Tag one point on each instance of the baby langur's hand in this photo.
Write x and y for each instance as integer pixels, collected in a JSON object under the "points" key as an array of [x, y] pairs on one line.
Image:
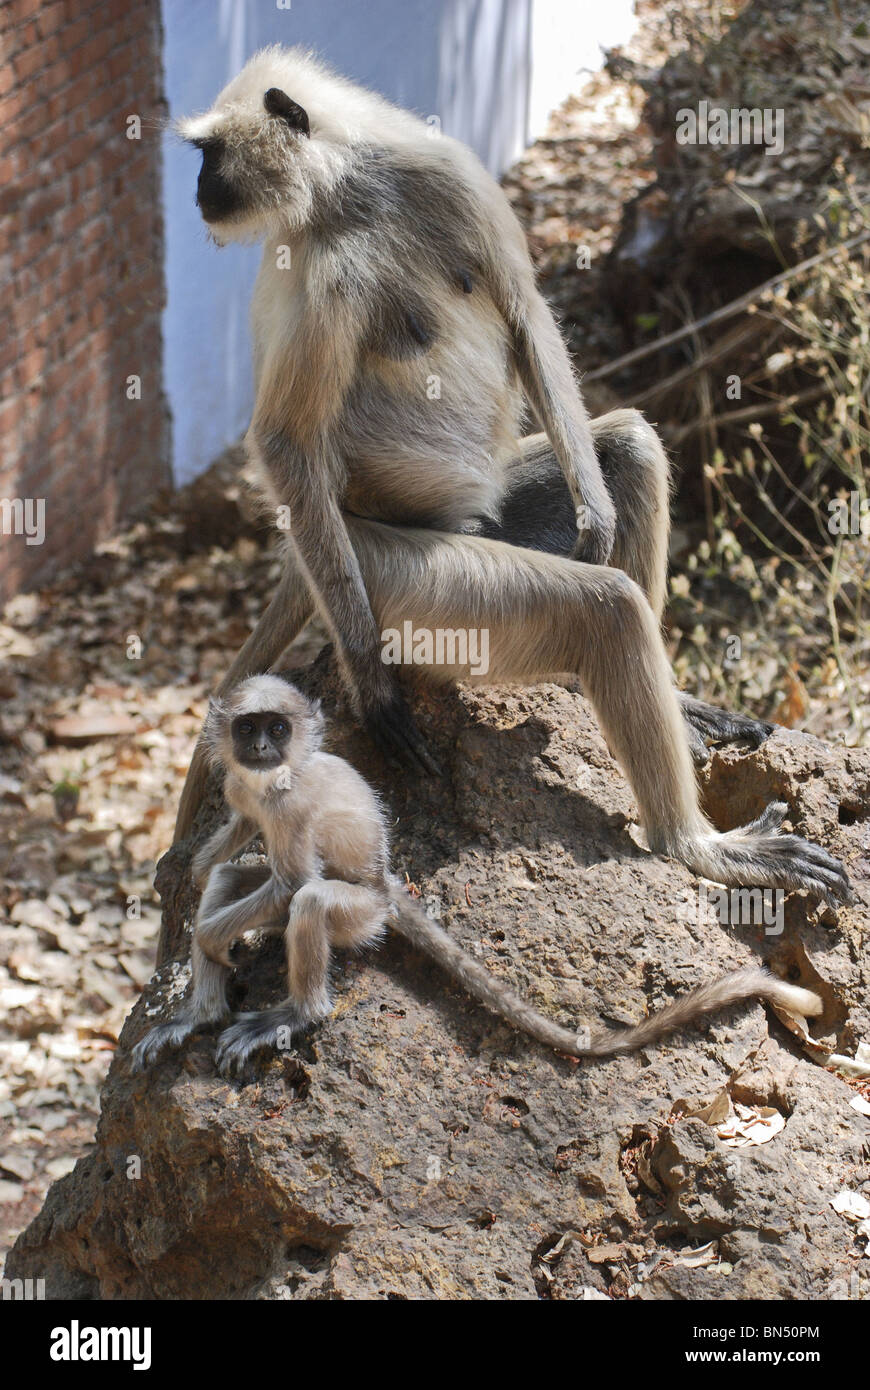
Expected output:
{"points": [[596, 532]]}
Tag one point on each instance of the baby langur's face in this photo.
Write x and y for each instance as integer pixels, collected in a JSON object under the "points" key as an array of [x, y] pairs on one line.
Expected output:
{"points": [[260, 740]]}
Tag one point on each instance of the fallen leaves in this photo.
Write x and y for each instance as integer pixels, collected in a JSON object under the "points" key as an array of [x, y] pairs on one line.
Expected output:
{"points": [[96, 745], [737, 1126], [855, 1207], [750, 1125], [77, 729]]}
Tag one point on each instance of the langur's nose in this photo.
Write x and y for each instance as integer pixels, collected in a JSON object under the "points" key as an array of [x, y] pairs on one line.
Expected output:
{"points": [[214, 195]]}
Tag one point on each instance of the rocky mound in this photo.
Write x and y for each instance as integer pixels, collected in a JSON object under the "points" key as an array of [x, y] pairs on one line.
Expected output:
{"points": [[415, 1147]]}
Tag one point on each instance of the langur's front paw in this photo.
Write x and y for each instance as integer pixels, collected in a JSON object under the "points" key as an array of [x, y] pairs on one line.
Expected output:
{"points": [[271, 1030], [392, 729], [163, 1036]]}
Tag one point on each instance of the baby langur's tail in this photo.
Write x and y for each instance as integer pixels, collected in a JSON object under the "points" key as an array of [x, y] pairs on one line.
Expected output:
{"points": [[751, 983]]}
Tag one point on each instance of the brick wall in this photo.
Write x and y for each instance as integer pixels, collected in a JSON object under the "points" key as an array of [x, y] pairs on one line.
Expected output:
{"points": [[81, 259]]}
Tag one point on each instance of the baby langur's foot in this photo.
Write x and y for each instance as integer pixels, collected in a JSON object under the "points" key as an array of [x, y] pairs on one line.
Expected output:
{"points": [[165, 1035], [757, 855], [270, 1029], [707, 724]]}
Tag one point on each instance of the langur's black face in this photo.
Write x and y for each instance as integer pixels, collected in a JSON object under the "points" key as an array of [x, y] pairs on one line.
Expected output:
{"points": [[216, 197], [260, 740], [246, 169]]}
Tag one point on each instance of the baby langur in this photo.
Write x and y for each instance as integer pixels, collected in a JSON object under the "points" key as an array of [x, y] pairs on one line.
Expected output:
{"points": [[328, 884]]}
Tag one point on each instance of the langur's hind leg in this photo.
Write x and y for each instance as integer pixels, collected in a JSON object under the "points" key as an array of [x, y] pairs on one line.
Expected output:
{"points": [[538, 513], [638, 477], [206, 1006], [637, 473], [543, 616], [324, 912], [227, 883]]}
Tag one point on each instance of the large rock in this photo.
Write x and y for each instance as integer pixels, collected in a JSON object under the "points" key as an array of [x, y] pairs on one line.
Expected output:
{"points": [[416, 1147]]}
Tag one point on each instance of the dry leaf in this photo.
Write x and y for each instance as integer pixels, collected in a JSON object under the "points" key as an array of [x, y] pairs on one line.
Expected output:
{"points": [[854, 1205], [750, 1125]]}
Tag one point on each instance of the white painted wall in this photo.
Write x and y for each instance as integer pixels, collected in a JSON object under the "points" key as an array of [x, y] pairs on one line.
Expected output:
{"points": [[490, 69], [568, 37]]}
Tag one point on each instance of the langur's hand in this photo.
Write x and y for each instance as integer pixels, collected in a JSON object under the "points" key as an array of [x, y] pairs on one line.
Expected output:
{"points": [[391, 727], [596, 532]]}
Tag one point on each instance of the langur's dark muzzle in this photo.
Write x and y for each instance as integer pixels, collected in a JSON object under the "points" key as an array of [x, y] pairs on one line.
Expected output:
{"points": [[215, 196]]}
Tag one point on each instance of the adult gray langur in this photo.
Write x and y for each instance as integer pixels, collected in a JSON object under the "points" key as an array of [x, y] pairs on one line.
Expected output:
{"points": [[398, 334], [328, 884]]}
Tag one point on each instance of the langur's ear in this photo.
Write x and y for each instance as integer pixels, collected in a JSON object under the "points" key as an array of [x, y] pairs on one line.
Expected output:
{"points": [[277, 103]]}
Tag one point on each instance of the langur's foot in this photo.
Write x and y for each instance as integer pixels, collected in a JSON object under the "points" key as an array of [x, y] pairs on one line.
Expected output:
{"points": [[392, 729], [163, 1036], [707, 724], [267, 1030], [758, 856]]}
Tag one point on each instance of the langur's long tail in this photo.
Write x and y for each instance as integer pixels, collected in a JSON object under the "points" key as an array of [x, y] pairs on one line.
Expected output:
{"points": [[751, 983]]}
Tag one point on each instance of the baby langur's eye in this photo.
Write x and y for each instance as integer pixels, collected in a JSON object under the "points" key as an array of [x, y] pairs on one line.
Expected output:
{"points": [[246, 728], [278, 729]]}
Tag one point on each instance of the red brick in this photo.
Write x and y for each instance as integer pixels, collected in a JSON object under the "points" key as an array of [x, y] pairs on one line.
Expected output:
{"points": [[18, 12], [50, 18], [75, 34], [30, 365], [11, 107], [34, 61], [85, 308], [95, 49]]}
